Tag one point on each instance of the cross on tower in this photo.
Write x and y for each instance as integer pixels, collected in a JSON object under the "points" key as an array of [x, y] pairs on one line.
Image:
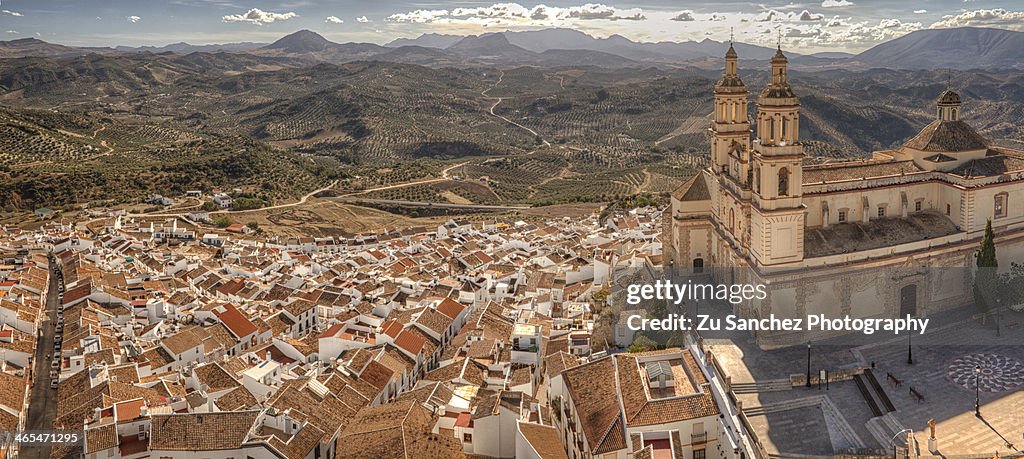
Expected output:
{"points": [[732, 35]]}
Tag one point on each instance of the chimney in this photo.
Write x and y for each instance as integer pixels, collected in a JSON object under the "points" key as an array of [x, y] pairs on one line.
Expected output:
{"points": [[96, 414], [268, 355]]}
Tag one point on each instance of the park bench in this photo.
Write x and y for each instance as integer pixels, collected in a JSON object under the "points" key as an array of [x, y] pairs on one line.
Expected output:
{"points": [[893, 379], [917, 395]]}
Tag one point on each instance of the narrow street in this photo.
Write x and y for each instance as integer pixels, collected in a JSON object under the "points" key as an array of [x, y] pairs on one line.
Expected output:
{"points": [[43, 405]]}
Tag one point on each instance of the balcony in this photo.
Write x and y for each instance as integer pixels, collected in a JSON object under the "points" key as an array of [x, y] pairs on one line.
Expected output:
{"points": [[698, 438]]}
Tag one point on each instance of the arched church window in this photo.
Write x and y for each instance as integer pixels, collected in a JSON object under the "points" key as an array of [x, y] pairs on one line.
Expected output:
{"points": [[1000, 205], [953, 115], [732, 219], [757, 179], [784, 182]]}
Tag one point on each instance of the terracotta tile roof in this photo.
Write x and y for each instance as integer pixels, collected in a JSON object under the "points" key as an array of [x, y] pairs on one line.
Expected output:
{"points": [[377, 374], [201, 432], [410, 342], [695, 189], [184, 340], [215, 377], [544, 440], [100, 438], [398, 429], [434, 321], [556, 363], [238, 399], [235, 321], [856, 170], [328, 413], [129, 411], [12, 391], [592, 388], [948, 136]]}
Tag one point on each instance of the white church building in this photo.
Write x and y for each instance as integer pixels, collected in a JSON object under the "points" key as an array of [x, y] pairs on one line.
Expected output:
{"points": [[882, 237]]}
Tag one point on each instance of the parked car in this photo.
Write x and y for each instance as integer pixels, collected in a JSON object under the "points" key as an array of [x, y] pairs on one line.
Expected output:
{"points": [[53, 383], [54, 374]]}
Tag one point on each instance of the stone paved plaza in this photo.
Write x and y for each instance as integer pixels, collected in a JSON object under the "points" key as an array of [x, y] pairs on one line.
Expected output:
{"points": [[943, 372]]}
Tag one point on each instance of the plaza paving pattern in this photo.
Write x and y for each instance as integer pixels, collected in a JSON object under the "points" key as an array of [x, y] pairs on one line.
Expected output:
{"points": [[943, 372], [990, 372]]}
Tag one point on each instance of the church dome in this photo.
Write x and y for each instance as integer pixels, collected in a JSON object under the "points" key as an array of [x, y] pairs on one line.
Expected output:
{"points": [[949, 97], [948, 137]]}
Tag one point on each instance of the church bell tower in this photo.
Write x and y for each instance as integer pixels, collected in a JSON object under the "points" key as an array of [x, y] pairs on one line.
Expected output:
{"points": [[777, 217]]}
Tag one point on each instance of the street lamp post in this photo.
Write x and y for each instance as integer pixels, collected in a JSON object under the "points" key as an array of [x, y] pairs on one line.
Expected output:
{"points": [[808, 364], [910, 350], [977, 391], [892, 442]]}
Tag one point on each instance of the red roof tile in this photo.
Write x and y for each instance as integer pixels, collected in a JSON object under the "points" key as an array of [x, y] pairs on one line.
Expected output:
{"points": [[239, 325]]}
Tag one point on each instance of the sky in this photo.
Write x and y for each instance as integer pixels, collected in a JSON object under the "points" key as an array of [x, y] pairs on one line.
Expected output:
{"points": [[809, 26]]}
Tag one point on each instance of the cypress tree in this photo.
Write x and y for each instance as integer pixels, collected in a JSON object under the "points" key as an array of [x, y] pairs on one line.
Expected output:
{"points": [[985, 279]]}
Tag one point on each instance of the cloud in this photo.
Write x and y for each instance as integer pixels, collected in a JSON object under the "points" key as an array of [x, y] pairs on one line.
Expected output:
{"points": [[133, 19], [362, 19], [864, 33], [419, 16], [258, 17], [778, 16], [516, 14], [13, 31], [13, 13], [684, 16], [334, 20], [808, 16], [836, 3], [599, 11], [920, 11], [994, 17]]}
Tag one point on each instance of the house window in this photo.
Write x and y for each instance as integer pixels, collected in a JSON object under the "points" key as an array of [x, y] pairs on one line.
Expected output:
{"points": [[1000, 205], [698, 265], [842, 216], [467, 438], [784, 182], [948, 208], [698, 454], [881, 212], [917, 206]]}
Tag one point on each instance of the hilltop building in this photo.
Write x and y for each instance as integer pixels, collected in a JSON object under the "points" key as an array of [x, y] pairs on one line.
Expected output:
{"points": [[818, 235]]}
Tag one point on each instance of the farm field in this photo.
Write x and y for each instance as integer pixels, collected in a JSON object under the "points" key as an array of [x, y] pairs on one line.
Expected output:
{"points": [[121, 127]]}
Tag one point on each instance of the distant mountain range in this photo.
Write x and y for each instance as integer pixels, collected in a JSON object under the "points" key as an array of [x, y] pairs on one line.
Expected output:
{"points": [[961, 48]]}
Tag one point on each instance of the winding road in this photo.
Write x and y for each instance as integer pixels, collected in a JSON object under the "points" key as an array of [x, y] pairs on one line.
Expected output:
{"points": [[498, 102]]}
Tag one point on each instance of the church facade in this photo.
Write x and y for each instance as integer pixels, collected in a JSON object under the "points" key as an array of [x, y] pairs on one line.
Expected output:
{"points": [[881, 237]]}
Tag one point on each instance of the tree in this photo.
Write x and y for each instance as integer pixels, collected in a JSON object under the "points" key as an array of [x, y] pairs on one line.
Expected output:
{"points": [[986, 279], [254, 226], [210, 206], [221, 221], [642, 343]]}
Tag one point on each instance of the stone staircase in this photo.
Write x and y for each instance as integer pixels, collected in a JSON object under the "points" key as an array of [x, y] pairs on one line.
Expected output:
{"points": [[769, 385], [778, 407], [883, 428]]}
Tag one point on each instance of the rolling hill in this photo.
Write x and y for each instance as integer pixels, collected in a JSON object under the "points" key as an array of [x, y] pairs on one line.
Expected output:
{"points": [[961, 48]]}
